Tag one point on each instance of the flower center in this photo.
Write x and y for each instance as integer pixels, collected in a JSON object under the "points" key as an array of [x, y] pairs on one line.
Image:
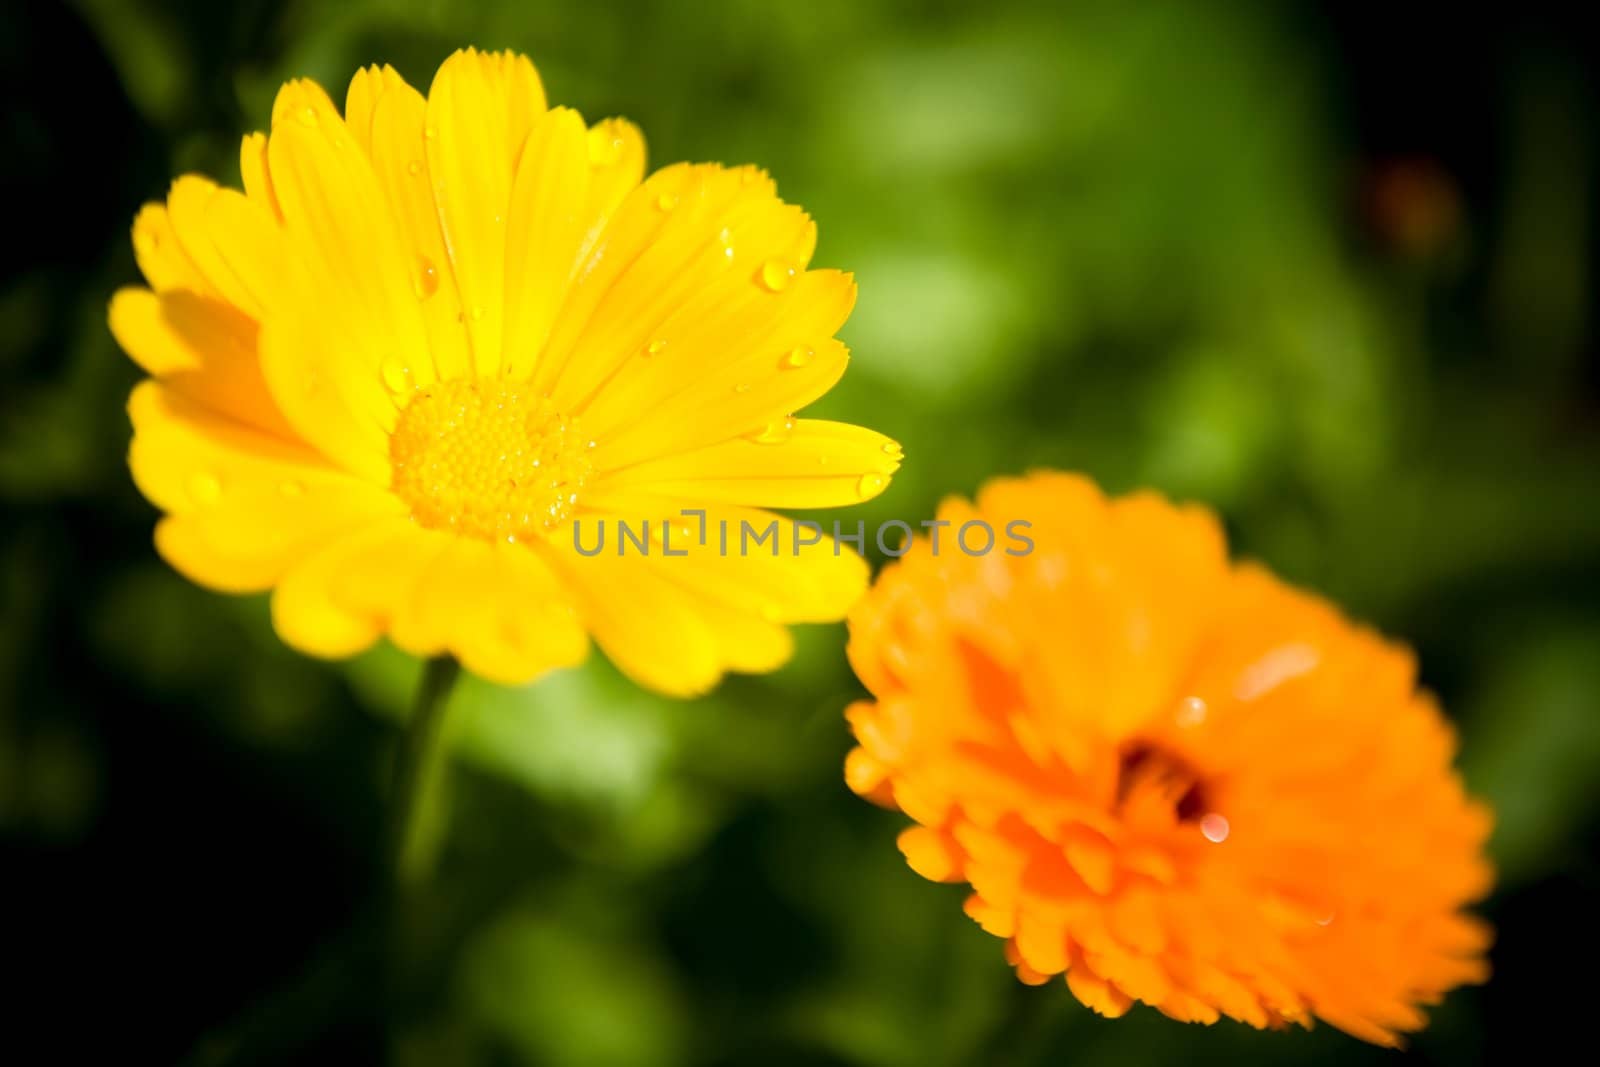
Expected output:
{"points": [[1147, 774], [488, 459]]}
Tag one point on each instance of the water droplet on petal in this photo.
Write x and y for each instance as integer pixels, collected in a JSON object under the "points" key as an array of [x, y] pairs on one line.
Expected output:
{"points": [[869, 485], [604, 147], [667, 201], [655, 348], [308, 115], [776, 274], [1191, 711], [892, 448], [477, 313], [742, 387], [429, 132], [414, 167], [775, 432], [1215, 828], [798, 357], [397, 376], [425, 282], [205, 488]]}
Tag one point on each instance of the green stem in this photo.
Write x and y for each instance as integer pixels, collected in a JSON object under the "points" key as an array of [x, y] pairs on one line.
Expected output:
{"points": [[418, 770]]}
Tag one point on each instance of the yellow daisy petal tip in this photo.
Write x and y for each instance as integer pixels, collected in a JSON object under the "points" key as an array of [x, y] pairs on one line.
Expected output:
{"points": [[438, 331], [1167, 775]]}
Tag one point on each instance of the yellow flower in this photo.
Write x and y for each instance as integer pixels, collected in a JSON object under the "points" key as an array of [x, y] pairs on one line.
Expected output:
{"points": [[1171, 778], [434, 334]]}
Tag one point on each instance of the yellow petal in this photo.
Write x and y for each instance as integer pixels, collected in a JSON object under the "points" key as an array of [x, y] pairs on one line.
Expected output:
{"points": [[496, 608], [716, 237], [399, 159], [257, 178], [162, 260], [616, 167], [792, 463], [652, 629], [200, 347], [742, 366], [367, 87], [480, 108], [762, 565], [214, 252], [549, 225], [326, 353], [243, 506]]}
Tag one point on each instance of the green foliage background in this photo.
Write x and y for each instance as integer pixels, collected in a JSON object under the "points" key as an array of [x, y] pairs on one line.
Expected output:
{"points": [[1160, 243]]}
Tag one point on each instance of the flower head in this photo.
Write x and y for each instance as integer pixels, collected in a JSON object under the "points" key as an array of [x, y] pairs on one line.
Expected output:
{"points": [[435, 333], [1174, 779]]}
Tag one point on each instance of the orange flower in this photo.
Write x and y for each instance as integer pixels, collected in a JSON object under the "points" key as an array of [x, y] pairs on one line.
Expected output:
{"points": [[1175, 779]]}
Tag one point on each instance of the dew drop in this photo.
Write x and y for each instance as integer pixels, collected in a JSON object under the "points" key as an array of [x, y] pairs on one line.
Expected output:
{"points": [[426, 280], [1215, 828], [429, 132], [742, 388], [414, 167], [655, 348], [308, 115], [1191, 711], [776, 274], [869, 485], [477, 313], [397, 376], [667, 201], [775, 432], [798, 357], [205, 488], [604, 147], [892, 448]]}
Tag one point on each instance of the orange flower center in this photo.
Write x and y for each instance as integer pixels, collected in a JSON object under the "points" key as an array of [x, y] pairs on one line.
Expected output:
{"points": [[1149, 778], [488, 459]]}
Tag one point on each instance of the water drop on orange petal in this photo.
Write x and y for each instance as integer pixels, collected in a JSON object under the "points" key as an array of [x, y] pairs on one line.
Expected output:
{"points": [[654, 348], [1215, 828]]}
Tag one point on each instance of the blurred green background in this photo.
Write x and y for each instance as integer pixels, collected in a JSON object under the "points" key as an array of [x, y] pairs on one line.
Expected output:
{"points": [[1328, 269]]}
